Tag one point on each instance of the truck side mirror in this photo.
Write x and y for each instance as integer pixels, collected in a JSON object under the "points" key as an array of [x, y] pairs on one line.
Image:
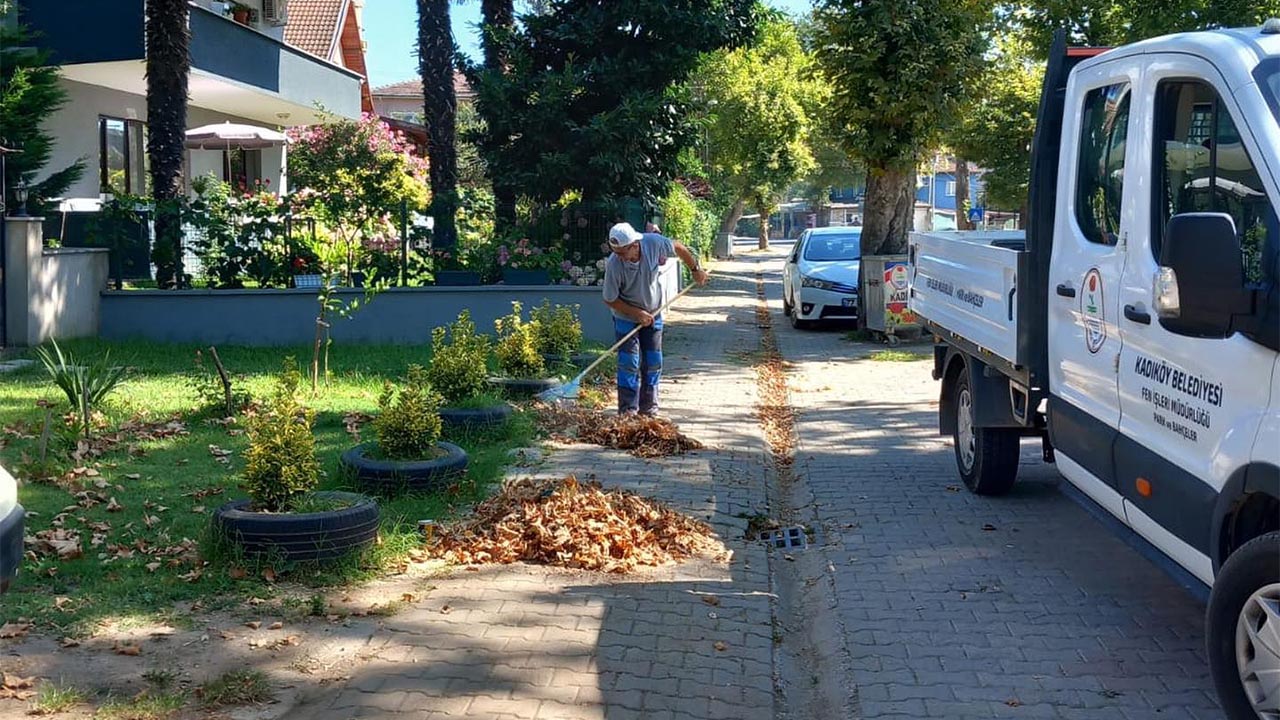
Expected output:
{"points": [[1199, 288]]}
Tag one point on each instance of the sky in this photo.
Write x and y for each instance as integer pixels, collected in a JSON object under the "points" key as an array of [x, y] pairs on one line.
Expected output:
{"points": [[390, 29]]}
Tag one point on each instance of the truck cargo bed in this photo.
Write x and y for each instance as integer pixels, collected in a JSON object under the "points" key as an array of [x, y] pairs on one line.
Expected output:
{"points": [[966, 284]]}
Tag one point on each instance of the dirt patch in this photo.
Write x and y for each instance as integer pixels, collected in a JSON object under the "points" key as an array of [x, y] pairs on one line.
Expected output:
{"points": [[575, 525], [644, 437]]}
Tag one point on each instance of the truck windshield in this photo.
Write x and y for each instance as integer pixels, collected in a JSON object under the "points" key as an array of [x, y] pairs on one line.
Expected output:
{"points": [[1268, 76], [829, 248]]}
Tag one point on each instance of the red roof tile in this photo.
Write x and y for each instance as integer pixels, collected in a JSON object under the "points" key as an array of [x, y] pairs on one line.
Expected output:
{"points": [[413, 88], [313, 25]]}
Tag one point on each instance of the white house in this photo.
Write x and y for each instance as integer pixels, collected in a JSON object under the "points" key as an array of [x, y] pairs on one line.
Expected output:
{"points": [[271, 66]]}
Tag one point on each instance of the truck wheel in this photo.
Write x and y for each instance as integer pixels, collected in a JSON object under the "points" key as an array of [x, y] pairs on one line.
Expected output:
{"points": [[987, 457], [1243, 624]]}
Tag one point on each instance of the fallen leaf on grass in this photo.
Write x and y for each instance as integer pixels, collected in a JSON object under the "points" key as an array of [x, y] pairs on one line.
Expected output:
{"points": [[199, 509], [153, 566], [133, 476], [14, 630], [269, 575], [65, 544], [61, 602], [192, 576], [253, 625], [237, 573], [67, 642], [127, 649], [113, 506], [276, 625]]}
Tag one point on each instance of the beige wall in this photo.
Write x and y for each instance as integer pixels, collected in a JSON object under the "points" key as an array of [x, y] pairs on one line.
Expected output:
{"points": [[386, 105], [50, 293]]}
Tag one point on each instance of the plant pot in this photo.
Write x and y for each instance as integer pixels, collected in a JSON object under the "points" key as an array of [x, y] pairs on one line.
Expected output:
{"points": [[524, 387], [295, 537], [388, 476], [457, 277], [576, 359], [475, 418], [526, 277], [240, 16]]}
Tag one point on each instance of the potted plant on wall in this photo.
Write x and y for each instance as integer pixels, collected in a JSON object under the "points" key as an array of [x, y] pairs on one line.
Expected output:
{"points": [[408, 454], [523, 369], [241, 13], [284, 516], [525, 264], [459, 371], [451, 271]]}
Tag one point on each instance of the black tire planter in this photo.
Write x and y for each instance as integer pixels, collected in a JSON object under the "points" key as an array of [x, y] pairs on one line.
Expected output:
{"points": [[297, 537], [475, 418], [577, 359], [391, 476], [524, 387]]}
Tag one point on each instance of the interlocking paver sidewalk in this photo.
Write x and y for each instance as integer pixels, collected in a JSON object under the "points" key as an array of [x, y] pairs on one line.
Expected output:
{"points": [[523, 641]]}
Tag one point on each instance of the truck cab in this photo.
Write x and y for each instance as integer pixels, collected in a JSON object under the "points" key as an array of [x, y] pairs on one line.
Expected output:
{"points": [[1136, 326]]}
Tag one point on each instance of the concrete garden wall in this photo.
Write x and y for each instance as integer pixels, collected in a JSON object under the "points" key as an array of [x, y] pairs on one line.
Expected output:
{"points": [[49, 293], [287, 317]]}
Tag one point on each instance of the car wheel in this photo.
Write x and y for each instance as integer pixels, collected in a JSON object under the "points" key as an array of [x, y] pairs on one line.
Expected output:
{"points": [[787, 307], [986, 457], [1243, 627], [796, 322]]}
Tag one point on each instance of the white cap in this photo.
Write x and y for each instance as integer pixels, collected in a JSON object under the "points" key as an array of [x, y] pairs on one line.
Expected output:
{"points": [[622, 235]]}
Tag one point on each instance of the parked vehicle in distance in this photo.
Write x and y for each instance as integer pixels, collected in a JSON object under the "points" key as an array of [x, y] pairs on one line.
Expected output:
{"points": [[12, 518], [1135, 328], [820, 276]]}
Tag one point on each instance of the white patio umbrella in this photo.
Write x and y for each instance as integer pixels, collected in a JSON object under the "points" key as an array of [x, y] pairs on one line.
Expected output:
{"points": [[228, 135]]}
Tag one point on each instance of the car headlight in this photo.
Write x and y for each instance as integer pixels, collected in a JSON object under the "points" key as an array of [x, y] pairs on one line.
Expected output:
{"points": [[806, 281]]}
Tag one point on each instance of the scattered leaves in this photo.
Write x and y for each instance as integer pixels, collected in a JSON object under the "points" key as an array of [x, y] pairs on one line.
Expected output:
{"points": [[276, 625], [573, 524], [57, 542], [13, 687], [642, 436], [253, 624], [14, 630], [128, 649], [113, 506]]}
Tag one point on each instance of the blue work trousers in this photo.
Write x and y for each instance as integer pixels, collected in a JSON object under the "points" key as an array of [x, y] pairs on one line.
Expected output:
{"points": [[639, 367]]}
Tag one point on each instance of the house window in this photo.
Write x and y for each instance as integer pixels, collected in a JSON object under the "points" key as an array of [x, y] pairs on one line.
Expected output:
{"points": [[410, 117], [951, 188], [1104, 128], [242, 168], [123, 166]]}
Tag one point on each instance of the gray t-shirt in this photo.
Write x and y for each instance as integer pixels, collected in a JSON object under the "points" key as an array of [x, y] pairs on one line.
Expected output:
{"points": [[638, 283]]}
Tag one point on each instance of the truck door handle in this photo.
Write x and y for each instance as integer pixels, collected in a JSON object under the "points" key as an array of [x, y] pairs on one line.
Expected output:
{"points": [[1136, 315], [1066, 290]]}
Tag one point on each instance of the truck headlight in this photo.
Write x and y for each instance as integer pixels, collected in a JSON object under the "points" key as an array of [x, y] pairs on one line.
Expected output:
{"points": [[806, 281]]}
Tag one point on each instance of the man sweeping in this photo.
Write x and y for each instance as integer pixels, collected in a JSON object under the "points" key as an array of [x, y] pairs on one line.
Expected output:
{"points": [[633, 291]]}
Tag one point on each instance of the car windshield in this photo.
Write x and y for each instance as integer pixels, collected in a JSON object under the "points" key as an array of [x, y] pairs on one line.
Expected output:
{"points": [[827, 248]]}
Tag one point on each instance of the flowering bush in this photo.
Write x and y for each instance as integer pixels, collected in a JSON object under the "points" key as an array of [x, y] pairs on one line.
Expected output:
{"points": [[585, 274], [522, 255], [241, 234]]}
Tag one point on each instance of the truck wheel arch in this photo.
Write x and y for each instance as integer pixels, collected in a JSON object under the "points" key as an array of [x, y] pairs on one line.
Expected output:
{"points": [[1248, 507], [953, 365]]}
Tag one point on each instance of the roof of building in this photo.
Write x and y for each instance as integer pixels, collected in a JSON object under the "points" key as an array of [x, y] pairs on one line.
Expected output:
{"points": [[313, 25], [413, 88]]}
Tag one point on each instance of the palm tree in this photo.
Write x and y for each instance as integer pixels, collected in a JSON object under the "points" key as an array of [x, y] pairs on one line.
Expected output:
{"points": [[435, 64], [168, 68]]}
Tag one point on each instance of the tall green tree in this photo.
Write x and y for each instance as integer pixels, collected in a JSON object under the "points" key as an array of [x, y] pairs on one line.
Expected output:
{"points": [[591, 100], [763, 98], [1117, 22], [899, 70], [168, 68], [496, 35], [29, 94], [436, 54]]}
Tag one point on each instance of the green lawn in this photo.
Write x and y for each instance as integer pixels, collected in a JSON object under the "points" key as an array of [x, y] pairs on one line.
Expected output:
{"points": [[168, 487]]}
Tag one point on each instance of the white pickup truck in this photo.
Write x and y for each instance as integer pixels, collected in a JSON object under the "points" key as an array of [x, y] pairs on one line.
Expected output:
{"points": [[1135, 327]]}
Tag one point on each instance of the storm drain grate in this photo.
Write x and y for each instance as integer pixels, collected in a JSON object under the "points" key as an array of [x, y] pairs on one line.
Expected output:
{"points": [[789, 538]]}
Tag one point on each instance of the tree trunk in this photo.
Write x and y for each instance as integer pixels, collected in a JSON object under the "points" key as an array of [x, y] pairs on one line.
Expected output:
{"points": [[735, 214], [499, 21], [764, 227], [962, 194], [435, 64], [887, 211], [168, 66]]}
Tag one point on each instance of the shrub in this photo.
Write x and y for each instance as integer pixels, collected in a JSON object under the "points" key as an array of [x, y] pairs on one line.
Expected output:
{"points": [[408, 424], [517, 350], [459, 360], [281, 464], [85, 386], [558, 330]]}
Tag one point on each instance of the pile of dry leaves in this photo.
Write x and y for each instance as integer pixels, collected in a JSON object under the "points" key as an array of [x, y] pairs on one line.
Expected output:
{"points": [[576, 525], [640, 435]]}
